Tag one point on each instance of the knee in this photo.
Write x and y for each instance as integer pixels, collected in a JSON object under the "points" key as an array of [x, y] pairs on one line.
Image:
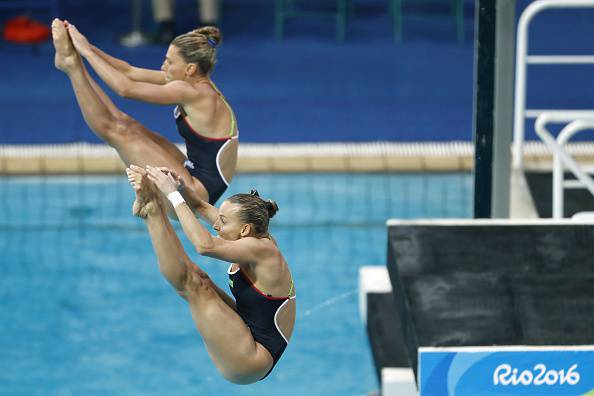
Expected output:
{"points": [[121, 128], [198, 281]]}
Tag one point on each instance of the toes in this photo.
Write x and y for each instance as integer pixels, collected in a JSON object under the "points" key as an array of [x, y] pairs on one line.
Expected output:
{"points": [[133, 174], [130, 175], [137, 169], [56, 24]]}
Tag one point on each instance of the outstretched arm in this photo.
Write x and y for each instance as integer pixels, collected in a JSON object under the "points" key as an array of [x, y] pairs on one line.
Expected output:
{"points": [[174, 92], [132, 72], [244, 251], [205, 210]]}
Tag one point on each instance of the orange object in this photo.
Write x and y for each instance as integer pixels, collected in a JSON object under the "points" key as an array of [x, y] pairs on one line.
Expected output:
{"points": [[23, 30]]}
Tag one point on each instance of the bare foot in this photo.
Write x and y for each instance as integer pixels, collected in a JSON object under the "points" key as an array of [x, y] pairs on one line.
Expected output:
{"points": [[146, 201], [66, 57]]}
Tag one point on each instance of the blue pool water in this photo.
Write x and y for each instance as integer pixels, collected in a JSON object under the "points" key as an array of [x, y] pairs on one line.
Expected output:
{"points": [[84, 310]]}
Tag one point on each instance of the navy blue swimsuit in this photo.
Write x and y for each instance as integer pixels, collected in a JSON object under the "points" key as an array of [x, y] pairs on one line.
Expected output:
{"points": [[258, 310], [203, 155]]}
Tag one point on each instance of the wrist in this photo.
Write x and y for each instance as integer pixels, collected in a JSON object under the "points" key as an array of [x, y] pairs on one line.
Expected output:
{"points": [[175, 198]]}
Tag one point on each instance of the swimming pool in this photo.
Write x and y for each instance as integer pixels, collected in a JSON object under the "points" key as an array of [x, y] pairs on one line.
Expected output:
{"points": [[84, 309]]}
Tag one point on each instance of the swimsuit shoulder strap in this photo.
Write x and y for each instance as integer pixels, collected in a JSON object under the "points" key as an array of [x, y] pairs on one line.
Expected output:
{"points": [[291, 289], [233, 122]]}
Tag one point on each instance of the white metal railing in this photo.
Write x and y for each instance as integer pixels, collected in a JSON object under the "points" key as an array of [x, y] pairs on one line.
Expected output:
{"points": [[561, 158], [523, 59]]}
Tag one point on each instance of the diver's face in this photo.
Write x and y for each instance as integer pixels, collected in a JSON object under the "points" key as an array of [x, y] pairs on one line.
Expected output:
{"points": [[174, 65], [228, 225]]}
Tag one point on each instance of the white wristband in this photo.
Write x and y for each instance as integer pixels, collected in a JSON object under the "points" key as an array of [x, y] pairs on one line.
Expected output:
{"points": [[175, 198]]}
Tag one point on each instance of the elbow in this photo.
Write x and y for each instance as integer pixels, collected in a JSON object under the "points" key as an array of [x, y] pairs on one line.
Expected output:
{"points": [[127, 70], [124, 92], [205, 248], [124, 89], [201, 250]]}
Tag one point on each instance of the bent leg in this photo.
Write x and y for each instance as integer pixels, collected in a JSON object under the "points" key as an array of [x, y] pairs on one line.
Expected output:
{"points": [[99, 112], [230, 344], [228, 340], [133, 142]]}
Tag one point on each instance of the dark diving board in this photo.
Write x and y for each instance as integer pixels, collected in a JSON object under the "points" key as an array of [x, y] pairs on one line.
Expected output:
{"points": [[492, 282]]}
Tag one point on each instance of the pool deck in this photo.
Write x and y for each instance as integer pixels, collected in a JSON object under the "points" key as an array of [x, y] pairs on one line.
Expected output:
{"points": [[300, 157]]}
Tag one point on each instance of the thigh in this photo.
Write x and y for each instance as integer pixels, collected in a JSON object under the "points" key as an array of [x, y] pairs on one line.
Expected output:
{"points": [[139, 146], [161, 151], [168, 146], [162, 141], [228, 339]]}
